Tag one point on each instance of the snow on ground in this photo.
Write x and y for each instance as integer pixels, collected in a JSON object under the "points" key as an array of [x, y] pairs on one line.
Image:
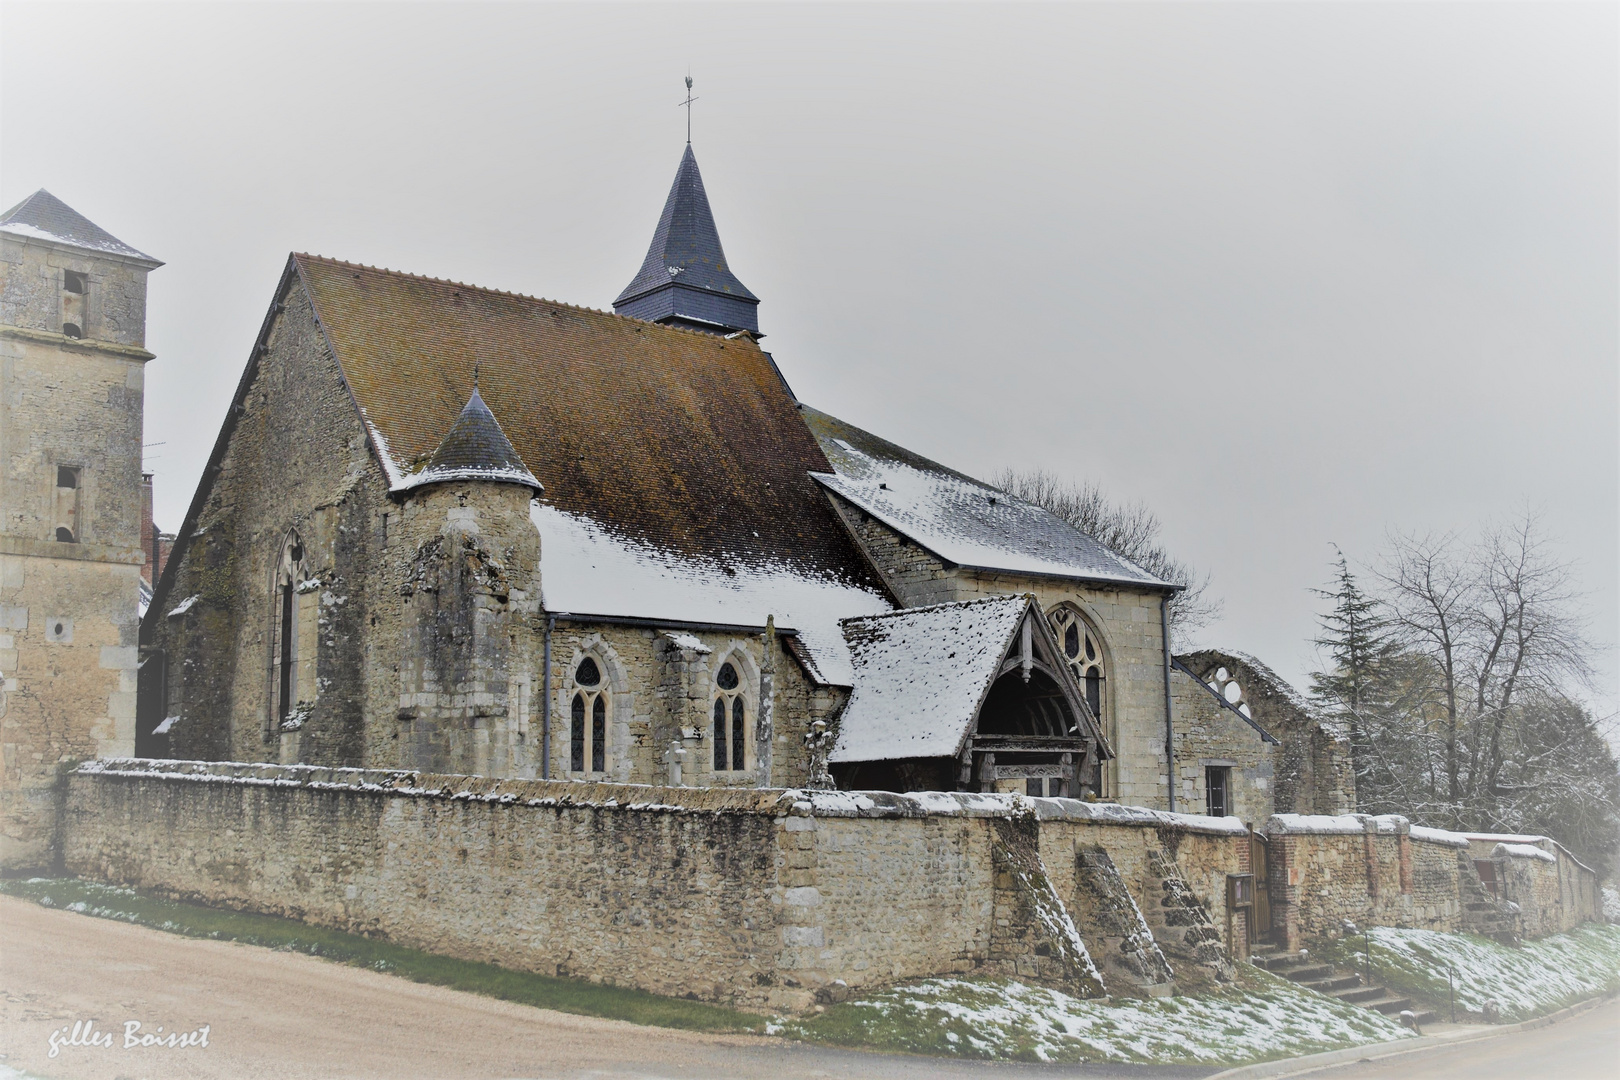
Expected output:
{"points": [[1531, 980], [1269, 1018], [1611, 904]]}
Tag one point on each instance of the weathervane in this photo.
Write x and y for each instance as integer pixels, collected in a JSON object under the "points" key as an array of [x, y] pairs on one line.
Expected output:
{"points": [[688, 104]]}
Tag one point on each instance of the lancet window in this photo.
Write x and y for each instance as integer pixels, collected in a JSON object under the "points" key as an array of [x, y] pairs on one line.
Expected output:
{"points": [[587, 733], [730, 720]]}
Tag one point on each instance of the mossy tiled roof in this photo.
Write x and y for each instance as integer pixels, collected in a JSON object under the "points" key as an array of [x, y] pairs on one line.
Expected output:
{"points": [[682, 440]]}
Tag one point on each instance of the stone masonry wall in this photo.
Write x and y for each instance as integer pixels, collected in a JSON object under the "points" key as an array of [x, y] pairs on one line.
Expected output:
{"points": [[761, 897]]}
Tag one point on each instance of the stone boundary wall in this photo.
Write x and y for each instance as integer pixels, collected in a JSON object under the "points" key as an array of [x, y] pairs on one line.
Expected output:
{"points": [[774, 898], [1554, 889], [1384, 871]]}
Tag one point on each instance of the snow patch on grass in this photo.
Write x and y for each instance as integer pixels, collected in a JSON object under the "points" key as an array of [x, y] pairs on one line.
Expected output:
{"points": [[1534, 979], [1262, 1018]]}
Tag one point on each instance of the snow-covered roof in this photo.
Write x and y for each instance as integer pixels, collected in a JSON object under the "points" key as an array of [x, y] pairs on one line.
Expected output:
{"points": [[588, 569], [920, 675], [42, 216], [958, 518]]}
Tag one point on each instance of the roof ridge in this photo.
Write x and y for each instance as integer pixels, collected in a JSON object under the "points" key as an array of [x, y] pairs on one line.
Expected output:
{"points": [[509, 293], [898, 612]]}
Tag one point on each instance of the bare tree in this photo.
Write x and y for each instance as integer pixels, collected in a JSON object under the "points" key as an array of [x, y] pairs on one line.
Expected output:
{"points": [[1127, 529], [1500, 642]]}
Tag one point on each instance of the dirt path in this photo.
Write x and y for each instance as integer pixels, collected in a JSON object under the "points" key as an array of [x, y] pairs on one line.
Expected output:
{"points": [[286, 1016]]}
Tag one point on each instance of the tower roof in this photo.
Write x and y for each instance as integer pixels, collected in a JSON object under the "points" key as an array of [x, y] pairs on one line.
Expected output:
{"points": [[685, 278], [42, 216], [475, 449]]}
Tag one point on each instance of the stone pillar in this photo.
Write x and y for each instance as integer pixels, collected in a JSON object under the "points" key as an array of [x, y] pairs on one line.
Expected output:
{"points": [[764, 728]]}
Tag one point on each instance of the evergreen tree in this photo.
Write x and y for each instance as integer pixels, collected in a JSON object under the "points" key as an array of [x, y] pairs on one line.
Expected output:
{"points": [[1354, 689]]}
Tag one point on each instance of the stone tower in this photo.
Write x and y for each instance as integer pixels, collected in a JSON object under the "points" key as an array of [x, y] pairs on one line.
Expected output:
{"points": [[684, 280], [72, 376]]}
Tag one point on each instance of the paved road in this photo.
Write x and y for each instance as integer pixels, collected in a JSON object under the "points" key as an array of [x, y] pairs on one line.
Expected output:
{"points": [[285, 1016], [1584, 1047]]}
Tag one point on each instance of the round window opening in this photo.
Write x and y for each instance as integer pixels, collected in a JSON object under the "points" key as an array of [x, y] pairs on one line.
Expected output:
{"points": [[727, 679], [59, 629], [587, 674]]}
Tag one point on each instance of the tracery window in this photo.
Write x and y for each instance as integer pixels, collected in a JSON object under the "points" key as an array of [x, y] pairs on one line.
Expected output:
{"points": [[1083, 652], [730, 720], [587, 733]]}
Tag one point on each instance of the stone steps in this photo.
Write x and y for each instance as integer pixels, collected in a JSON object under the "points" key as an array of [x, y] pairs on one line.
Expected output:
{"points": [[1347, 986]]}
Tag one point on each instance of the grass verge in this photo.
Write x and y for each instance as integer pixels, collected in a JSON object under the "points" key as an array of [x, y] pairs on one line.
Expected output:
{"points": [[289, 935], [1525, 981], [1261, 1018]]}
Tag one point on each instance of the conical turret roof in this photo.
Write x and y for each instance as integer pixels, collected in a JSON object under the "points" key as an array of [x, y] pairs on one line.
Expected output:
{"points": [[685, 277], [43, 216], [475, 449]]}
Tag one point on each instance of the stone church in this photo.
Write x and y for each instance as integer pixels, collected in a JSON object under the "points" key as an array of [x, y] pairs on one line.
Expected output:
{"points": [[450, 528]]}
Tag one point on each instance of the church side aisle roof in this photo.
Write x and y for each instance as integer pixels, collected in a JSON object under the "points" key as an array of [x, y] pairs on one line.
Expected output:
{"points": [[42, 216], [958, 518]]}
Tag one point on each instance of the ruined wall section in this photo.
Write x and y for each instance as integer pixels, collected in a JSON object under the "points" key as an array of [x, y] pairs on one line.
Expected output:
{"points": [[297, 464]]}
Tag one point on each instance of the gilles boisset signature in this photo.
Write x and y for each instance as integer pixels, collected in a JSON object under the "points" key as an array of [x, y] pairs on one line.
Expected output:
{"points": [[84, 1033]]}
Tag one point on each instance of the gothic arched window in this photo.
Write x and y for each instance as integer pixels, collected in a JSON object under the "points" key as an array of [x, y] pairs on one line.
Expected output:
{"points": [[1083, 652], [293, 613], [730, 720], [587, 733]]}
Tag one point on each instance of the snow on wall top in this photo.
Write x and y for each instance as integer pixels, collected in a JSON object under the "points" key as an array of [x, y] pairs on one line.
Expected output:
{"points": [[1522, 851], [1334, 824], [919, 675], [405, 783], [1509, 838], [1439, 836], [956, 517], [587, 570]]}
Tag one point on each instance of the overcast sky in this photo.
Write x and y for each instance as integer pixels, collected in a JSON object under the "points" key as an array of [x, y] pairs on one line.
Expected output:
{"points": [[1292, 275]]}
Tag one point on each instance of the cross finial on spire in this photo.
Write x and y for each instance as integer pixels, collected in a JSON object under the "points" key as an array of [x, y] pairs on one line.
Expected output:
{"points": [[475, 377], [688, 104]]}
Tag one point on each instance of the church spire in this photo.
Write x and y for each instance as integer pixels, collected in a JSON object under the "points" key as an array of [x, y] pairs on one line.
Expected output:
{"points": [[684, 281]]}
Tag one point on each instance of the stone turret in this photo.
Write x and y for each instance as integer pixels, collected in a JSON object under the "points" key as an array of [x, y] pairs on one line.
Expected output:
{"points": [[472, 583]]}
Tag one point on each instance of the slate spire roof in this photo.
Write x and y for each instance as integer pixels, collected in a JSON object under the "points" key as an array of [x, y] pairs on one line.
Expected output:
{"points": [[475, 449], [685, 279], [42, 216]]}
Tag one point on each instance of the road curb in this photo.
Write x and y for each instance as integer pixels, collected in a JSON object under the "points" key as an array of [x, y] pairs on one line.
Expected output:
{"points": [[1278, 1070]]}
